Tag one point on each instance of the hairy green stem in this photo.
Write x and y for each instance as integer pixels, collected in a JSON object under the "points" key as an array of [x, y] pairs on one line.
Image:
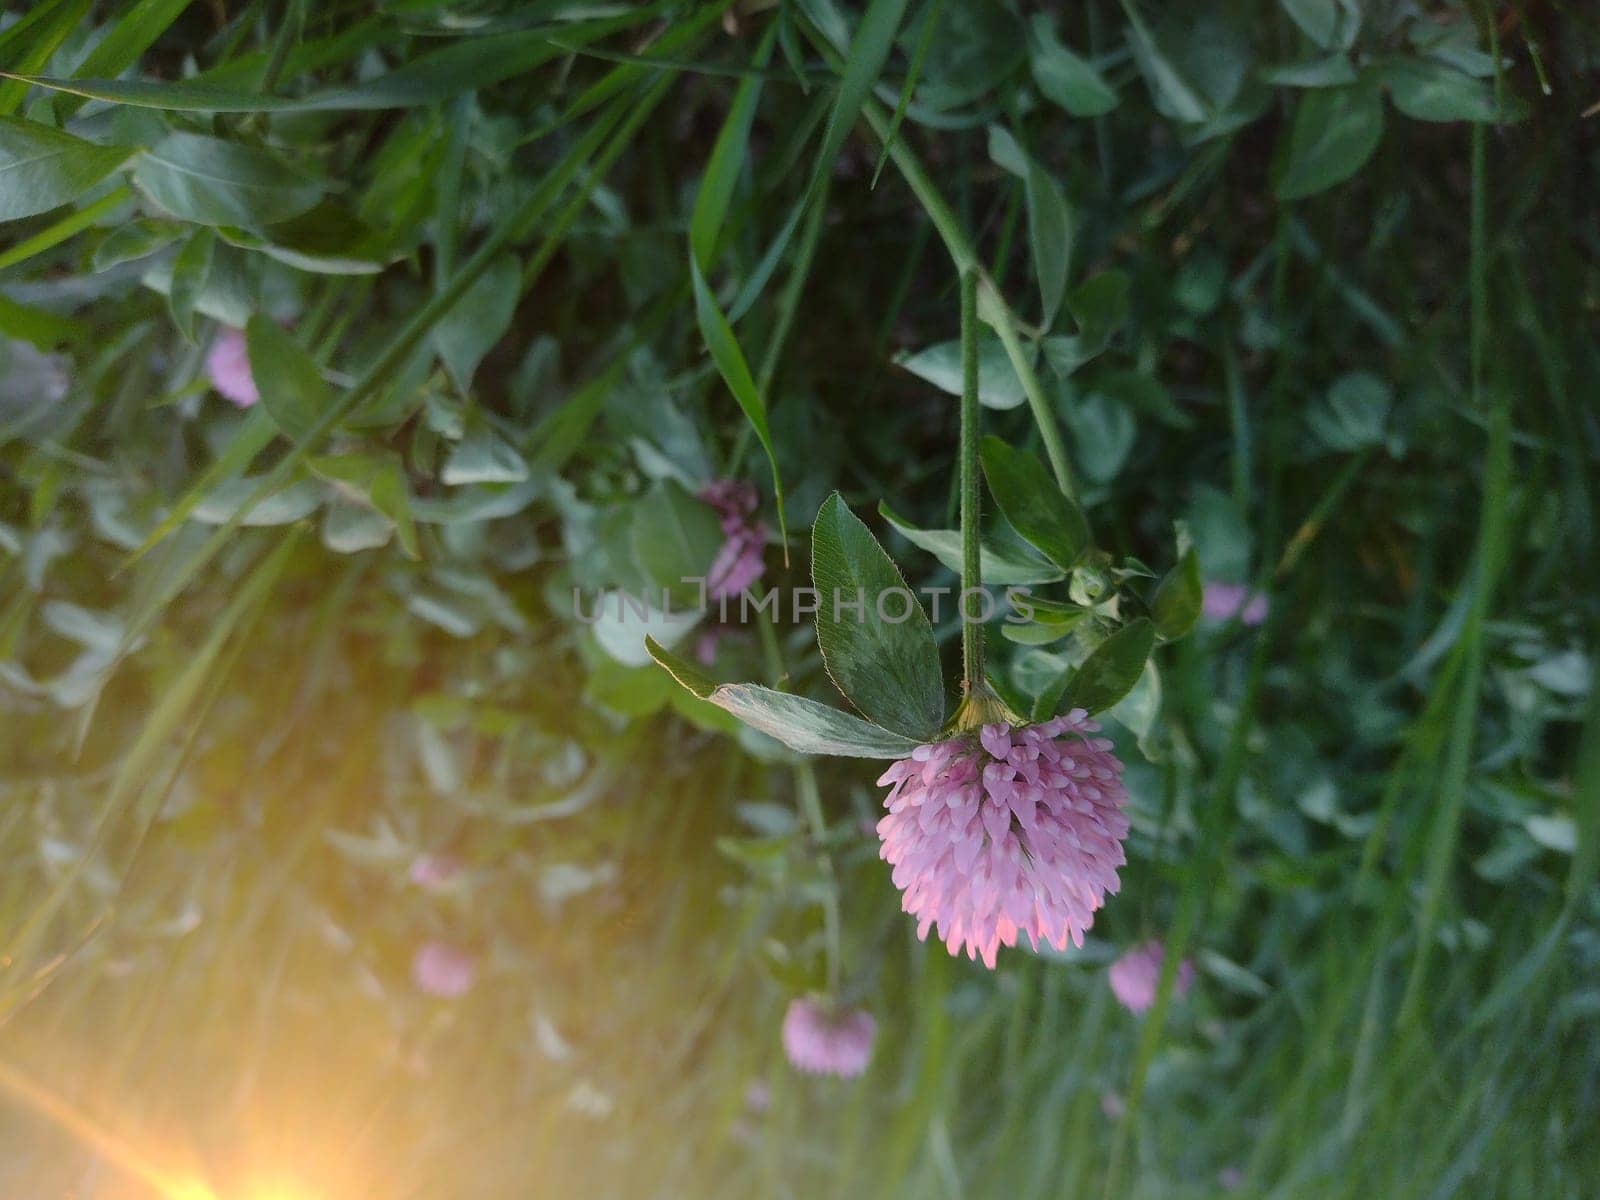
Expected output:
{"points": [[971, 498], [995, 310], [1055, 449]]}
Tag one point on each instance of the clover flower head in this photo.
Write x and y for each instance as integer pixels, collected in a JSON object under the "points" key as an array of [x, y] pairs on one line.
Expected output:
{"points": [[434, 872], [443, 969], [1017, 830], [228, 365], [1134, 976], [740, 561], [1224, 601], [822, 1038]]}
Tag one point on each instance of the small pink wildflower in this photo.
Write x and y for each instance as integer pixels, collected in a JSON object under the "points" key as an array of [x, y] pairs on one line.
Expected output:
{"points": [[228, 365], [822, 1039], [1231, 1178], [1135, 975], [1225, 601], [433, 872], [757, 1096], [443, 969], [1017, 830], [740, 561]]}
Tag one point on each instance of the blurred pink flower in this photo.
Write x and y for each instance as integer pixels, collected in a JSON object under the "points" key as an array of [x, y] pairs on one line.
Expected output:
{"points": [[705, 646], [1014, 831], [228, 365], [757, 1096], [1113, 1105], [825, 1040], [433, 871], [443, 969], [1231, 1178], [1224, 601], [1134, 976], [741, 560]]}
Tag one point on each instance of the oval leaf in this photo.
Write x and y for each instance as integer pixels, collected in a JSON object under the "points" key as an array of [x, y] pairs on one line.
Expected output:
{"points": [[42, 168], [1105, 677], [1032, 502], [675, 537], [1064, 78], [474, 323], [1432, 91], [799, 723], [1176, 604], [292, 389], [213, 182], [1335, 132], [1001, 565], [889, 671]]}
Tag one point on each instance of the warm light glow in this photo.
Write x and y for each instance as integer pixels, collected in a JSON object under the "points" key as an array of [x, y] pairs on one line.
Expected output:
{"points": [[49, 1104]]}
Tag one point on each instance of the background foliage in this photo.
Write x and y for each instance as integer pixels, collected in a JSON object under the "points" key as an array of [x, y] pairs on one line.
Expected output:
{"points": [[1317, 278]]}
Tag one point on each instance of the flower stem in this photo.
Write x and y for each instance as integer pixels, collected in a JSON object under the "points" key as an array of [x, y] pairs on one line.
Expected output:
{"points": [[971, 498], [1004, 322], [996, 311]]}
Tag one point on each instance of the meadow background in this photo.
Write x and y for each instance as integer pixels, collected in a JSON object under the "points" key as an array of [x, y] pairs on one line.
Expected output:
{"points": [[1317, 279]]}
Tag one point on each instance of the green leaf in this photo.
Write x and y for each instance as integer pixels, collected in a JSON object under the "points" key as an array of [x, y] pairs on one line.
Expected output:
{"points": [[1139, 710], [136, 239], [978, 45], [1103, 433], [799, 723], [292, 389], [327, 239], [1174, 95], [1176, 605], [1038, 510], [1335, 132], [1331, 70], [190, 270], [133, 32], [213, 182], [42, 168], [465, 66], [721, 176], [483, 456], [625, 631], [1049, 238], [349, 527], [248, 440], [1105, 677], [186, 96], [42, 32], [1432, 91], [675, 536], [230, 500], [888, 669], [380, 479], [1064, 78], [1002, 565], [869, 50], [1099, 305], [1048, 625], [730, 360], [1354, 412], [1331, 24], [940, 365], [472, 326]]}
